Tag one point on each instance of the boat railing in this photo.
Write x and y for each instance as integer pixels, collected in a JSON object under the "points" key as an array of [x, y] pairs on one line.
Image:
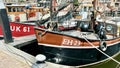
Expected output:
{"points": [[112, 13], [114, 33]]}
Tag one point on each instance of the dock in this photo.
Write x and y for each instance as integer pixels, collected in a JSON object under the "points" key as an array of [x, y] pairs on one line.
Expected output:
{"points": [[8, 61], [10, 56]]}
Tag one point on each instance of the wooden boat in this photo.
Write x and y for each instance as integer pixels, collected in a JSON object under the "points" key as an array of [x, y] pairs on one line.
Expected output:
{"points": [[90, 42], [23, 18], [68, 47]]}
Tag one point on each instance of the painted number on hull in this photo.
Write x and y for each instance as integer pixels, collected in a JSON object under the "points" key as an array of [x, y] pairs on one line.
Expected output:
{"points": [[71, 42], [20, 29]]}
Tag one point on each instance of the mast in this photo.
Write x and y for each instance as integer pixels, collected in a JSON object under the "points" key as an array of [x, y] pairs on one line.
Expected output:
{"points": [[51, 10], [94, 8]]}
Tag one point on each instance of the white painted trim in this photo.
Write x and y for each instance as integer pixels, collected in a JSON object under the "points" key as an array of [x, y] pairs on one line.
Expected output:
{"points": [[75, 47]]}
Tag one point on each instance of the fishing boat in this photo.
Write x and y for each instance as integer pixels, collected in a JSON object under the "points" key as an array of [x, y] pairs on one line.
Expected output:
{"points": [[23, 18], [19, 29], [26, 12], [92, 41]]}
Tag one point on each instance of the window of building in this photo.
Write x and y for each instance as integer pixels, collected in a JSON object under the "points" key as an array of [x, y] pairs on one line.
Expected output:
{"points": [[118, 0], [9, 9], [85, 8], [116, 4]]}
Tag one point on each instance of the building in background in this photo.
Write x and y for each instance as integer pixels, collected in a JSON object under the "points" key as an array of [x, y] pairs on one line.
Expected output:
{"points": [[85, 5], [19, 1], [117, 4]]}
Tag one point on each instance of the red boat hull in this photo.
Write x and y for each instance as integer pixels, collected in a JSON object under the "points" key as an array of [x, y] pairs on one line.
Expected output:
{"points": [[19, 29]]}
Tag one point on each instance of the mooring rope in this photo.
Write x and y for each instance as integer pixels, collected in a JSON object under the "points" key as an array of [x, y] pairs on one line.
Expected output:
{"points": [[100, 50]]}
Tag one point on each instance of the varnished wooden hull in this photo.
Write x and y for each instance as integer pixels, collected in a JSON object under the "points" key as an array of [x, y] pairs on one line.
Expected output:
{"points": [[78, 52]]}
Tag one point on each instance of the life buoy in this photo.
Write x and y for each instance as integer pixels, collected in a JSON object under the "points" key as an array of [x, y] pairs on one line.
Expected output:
{"points": [[103, 46]]}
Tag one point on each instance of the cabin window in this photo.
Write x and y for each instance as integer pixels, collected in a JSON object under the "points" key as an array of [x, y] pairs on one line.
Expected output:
{"points": [[9, 9], [13, 9], [90, 8], [47, 4], [85, 8], [41, 4], [16, 9], [117, 4], [19, 9]]}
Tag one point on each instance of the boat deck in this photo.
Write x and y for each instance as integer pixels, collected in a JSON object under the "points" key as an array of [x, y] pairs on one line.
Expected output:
{"points": [[88, 35]]}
